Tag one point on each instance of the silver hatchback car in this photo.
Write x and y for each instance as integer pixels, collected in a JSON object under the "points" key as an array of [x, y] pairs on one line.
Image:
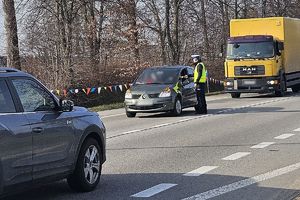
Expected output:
{"points": [[161, 89], [45, 139]]}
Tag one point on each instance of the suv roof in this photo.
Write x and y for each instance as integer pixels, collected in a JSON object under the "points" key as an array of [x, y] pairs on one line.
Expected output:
{"points": [[9, 72]]}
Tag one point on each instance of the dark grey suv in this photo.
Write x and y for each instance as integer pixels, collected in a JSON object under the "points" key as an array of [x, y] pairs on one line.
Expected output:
{"points": [[45, 139]]}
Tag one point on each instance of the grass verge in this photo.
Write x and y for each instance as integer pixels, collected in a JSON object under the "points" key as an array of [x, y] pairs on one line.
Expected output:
{"points": [[107, 107]]}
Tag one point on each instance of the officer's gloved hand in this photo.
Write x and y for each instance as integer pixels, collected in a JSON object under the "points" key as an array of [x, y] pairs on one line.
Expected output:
{"points": [[195, 85]]}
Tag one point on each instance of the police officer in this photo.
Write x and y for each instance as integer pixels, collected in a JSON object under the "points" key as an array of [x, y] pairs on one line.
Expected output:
{"points": [[200, 81]]}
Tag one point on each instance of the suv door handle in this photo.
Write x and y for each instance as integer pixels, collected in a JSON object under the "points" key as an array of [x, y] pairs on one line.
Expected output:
{"points": [[37, 130]]}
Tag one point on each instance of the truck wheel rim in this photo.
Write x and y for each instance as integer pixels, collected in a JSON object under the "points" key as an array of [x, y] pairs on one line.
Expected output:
{"points": [[178, 107], [91, 164]]}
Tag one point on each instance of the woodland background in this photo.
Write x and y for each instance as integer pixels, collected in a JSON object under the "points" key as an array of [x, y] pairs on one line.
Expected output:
{"points": [[80, 43]]}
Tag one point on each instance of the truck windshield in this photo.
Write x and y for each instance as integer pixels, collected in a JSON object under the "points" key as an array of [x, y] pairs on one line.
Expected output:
{"points": [[158, 76], [250, 50]]}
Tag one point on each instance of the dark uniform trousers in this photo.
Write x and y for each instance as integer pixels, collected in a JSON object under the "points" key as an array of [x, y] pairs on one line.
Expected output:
{"points": [[200, 92]]}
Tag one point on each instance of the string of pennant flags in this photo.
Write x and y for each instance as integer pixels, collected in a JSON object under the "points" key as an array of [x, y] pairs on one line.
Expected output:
{"points": [[97, 90], [92, 90]]}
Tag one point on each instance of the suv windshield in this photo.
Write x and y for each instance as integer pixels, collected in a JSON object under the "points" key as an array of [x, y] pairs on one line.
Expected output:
{"points": [[158, 76], [250, 50]]}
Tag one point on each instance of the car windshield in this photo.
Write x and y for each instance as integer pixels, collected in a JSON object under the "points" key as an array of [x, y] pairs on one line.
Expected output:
{"points": [[158, 76], [250, 50]]}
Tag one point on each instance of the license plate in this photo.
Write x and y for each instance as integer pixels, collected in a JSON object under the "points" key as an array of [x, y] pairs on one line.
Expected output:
{"points": [[249, 82]]}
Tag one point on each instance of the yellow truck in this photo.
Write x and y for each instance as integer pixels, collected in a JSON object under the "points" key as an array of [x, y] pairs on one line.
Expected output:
{"points": [[263, 56]]}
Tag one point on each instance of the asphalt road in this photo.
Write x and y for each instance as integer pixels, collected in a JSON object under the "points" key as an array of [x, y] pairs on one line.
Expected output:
{"points": [[244, 148]]}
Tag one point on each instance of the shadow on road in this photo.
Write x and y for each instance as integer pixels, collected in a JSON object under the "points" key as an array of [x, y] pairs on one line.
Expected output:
{"points": [[122, 186]]}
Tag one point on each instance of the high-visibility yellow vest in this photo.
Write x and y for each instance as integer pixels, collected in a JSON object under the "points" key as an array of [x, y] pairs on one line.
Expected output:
{"points": [[196, 74]]}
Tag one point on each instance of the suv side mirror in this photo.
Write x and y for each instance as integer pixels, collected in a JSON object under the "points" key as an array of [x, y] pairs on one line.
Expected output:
{"points": [[66, 105]]}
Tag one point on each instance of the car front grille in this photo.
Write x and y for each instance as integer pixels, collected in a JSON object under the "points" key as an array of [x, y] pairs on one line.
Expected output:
{"points": [[136, 96], [153, 96], [156, 106]]}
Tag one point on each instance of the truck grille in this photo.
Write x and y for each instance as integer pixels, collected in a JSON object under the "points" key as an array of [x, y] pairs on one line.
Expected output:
{"points": [[249, 70]]}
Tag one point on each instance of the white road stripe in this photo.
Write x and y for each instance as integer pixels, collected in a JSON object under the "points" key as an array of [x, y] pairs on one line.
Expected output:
{"points": [[297, 130], [236, 156], [154, 190], [262, 145], [116, 115], [244, 183], [284, 136], [194, 118], [201, 171]]}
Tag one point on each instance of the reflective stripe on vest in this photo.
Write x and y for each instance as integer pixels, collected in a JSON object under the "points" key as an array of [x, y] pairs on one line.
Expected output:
{"points": [[196, 74]]}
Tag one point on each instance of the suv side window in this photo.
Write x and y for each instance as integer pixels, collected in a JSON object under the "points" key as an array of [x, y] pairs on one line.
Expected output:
{"points": [[6, 102], [33, 97]]}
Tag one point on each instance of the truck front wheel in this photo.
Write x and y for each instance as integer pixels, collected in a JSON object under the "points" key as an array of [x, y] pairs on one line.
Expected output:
{"points": [[282, 88]]}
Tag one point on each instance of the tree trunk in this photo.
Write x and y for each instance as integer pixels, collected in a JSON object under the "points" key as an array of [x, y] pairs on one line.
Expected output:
{"points": [[13, 54], [205, 31]]}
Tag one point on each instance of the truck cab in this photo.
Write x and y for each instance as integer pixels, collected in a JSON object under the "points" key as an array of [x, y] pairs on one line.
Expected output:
{"points": [[253, 64]]}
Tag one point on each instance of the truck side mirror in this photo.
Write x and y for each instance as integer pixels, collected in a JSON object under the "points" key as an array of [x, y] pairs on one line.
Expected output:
{"points": [[280, 46]]}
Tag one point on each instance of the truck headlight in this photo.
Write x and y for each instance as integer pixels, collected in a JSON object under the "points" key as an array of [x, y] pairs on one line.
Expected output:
{"points": [[272, 82], [165, 93], [228, 84], [128, 94]]}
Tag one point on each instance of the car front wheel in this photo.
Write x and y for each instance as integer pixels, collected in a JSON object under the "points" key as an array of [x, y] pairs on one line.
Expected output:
{"points": [[88, 168], [130, 114], [177, 107]]}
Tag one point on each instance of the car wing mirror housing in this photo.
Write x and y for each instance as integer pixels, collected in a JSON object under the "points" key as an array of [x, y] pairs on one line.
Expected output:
{"points": [[66, 105]]}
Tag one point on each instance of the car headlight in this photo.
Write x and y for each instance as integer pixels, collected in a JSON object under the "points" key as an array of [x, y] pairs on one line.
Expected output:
{"points": [[128, 94], [165, 93]]}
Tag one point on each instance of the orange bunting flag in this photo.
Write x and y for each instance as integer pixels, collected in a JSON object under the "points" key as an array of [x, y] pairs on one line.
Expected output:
{"points": [[88, 91]]}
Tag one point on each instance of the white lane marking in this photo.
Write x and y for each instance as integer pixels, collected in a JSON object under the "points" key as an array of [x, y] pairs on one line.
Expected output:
{"points": [[297, 130], [262, 145], [195, 118], [116, 115], [236, 156], [284, 136], [154, 190], [244, 183], [200, 171]]}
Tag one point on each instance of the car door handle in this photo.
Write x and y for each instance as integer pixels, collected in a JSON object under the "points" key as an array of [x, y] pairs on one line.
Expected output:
{"points": [[37, 130]]}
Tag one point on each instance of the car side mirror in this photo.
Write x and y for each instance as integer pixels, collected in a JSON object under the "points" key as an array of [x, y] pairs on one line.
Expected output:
{"points": [[66, 105], [185, 82]]}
